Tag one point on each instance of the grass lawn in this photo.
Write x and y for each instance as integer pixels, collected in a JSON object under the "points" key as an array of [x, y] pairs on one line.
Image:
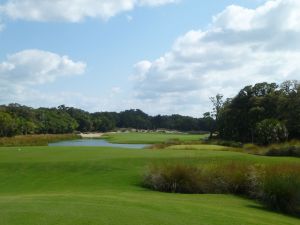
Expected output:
{"points": [[150, 138], [100, 186]]}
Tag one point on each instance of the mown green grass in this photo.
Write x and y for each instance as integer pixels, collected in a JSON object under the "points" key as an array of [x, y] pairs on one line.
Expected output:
{"points": [[101, 186], [149, 138]]}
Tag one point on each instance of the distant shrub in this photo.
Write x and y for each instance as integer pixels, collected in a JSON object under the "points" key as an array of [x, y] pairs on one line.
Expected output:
{"points": [[270, 131], [252, 148], [175, 179], [278, 187], [291, 148], [229, 178], [284, 151], [173, 141], [226, 143]]}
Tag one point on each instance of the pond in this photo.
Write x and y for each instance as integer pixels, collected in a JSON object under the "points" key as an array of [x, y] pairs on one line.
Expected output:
{"points": [[96, 142]]}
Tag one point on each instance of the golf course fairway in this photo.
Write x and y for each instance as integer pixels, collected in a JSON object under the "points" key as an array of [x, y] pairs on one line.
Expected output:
{"points": [[102, 186]]}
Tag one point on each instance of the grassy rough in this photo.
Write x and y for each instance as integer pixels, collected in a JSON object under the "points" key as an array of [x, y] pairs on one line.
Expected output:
{"points": [[278, 186], [291, 148], [90, 185], [281, 188], [35, 140], [150, 138]]}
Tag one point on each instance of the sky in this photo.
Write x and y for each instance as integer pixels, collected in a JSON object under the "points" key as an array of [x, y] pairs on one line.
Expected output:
{"points": [[161, 56]]}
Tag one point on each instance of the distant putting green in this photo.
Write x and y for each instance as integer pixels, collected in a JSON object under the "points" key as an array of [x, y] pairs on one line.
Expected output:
{"points": [[150, 138], [101, 186]]}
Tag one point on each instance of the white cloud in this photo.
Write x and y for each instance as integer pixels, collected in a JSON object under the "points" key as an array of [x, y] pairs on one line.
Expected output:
{"points": [[2, 25], [241, 46], [25, 74], [37, 67], [155, 2], [71, 10], [23, 71]]}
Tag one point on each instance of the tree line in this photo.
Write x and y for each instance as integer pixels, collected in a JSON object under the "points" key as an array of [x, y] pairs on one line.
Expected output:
{"points": [[263, 113], [16, 119]]}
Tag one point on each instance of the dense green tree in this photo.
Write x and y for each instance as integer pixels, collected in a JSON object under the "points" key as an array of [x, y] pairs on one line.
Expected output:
{"points": [[55, 121], [217, 102], [271, 131], [82, 118], [210, 123], [239, 117], [103, 122], [134, 118], [7, 125], [64, 119], [25, 127], [289, 107]]}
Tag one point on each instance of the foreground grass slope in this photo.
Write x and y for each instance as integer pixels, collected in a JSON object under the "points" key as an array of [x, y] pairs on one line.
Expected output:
{"points": [[101, 186], [149, 138]]}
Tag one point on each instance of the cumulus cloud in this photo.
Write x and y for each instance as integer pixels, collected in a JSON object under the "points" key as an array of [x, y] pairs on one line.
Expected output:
{"points": [[155, 2], [38, 67], [241, 46], [22, 71], [71, 11]]}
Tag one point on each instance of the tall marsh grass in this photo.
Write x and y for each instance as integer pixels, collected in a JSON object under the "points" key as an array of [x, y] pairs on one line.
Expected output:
{"points": [[281, 188], [278, 187], [35, 140], [291, 148], [172, 142]]}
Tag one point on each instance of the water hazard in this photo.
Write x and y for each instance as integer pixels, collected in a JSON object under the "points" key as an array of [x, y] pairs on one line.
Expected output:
{"points": [[97, 142]]}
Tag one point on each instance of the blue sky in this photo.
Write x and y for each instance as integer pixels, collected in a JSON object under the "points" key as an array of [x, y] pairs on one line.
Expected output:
{"points": [[106, 50]]}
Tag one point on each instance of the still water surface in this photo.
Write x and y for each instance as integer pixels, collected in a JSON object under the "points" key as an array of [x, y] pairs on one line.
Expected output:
{"points": [[96, 142]]}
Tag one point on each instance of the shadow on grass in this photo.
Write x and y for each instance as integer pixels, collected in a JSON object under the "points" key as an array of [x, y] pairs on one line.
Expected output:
{"points": [[270, 210]]}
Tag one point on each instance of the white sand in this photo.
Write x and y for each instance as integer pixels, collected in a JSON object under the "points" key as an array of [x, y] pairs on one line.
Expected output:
{"points": [[91, 135]]}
